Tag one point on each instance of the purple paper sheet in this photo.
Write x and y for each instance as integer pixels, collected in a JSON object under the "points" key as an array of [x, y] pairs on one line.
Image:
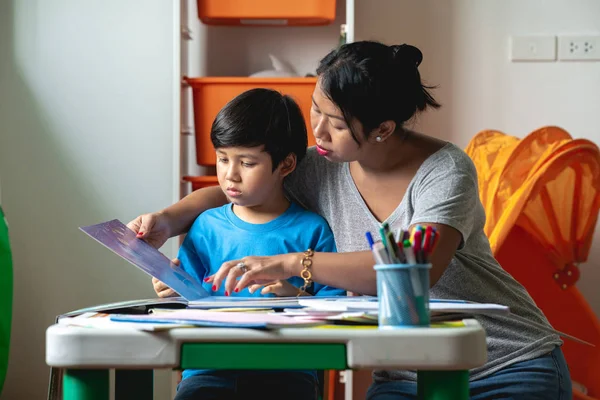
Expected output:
{"points": [[122, 241]]}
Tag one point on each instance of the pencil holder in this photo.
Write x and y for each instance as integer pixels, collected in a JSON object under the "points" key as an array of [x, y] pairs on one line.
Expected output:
{"points": [[403, 292]]}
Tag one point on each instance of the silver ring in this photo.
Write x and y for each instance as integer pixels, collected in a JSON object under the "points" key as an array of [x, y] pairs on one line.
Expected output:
{"points": [[242, 266]]}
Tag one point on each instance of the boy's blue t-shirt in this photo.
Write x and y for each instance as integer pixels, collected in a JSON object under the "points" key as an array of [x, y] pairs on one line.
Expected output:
{"points": [[218, 235]]}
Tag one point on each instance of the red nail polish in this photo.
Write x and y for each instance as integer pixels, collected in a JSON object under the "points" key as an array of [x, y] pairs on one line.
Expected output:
{"points": [[140, 233], [214, 288], [226, 293], [206, 279], [236, 290]]}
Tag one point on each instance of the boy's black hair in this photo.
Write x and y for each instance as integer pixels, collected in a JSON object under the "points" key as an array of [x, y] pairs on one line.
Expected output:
{"points": [[262, 117]]}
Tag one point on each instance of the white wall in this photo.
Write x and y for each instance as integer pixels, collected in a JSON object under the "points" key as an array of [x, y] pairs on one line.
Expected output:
{"points": [[87, 118], [466, 52]]}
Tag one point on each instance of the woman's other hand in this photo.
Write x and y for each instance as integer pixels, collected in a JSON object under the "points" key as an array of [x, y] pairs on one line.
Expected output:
{"points": [[278, 288]]}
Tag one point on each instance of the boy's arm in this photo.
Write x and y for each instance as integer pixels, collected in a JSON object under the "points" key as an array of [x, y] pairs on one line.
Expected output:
{"points": [[326, 244]]}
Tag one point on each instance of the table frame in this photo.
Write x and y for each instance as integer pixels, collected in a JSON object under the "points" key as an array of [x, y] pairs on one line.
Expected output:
{"points": [[441, 356]]}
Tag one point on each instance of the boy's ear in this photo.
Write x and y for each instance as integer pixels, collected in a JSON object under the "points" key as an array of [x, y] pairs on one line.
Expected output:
{"points": [[288, 165]]}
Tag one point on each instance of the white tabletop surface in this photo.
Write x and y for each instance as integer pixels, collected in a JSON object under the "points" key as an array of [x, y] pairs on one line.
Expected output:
{"points": [[456, 348]]}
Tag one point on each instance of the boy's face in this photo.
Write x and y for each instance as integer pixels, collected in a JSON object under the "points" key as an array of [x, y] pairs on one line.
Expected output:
{"points": [[246, 176]]}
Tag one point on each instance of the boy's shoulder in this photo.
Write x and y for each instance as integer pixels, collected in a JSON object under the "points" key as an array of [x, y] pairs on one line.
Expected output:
{"points": [[212, 214], [312, 230], [304, 216]]}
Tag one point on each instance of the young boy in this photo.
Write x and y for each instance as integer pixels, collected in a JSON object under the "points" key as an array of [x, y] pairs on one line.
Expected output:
{"points": [[259, 137]]}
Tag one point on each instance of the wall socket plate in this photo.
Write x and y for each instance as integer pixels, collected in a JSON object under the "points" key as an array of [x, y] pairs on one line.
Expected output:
{"points": [[533, 48], [579, 47]]}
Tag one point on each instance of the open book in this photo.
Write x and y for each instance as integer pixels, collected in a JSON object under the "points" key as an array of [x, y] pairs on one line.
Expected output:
{"points": [[122, 241]]}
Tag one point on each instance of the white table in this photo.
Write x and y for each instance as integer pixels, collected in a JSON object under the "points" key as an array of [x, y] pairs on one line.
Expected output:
{"points": [[442, 356]]}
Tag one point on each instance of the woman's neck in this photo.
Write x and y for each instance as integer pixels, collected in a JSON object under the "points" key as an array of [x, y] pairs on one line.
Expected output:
{"points": [[401, 152], [389, 156]]}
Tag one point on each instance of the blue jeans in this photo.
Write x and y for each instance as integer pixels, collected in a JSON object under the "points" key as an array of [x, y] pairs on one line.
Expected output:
{"points": [[225, 385], [544, 378]]}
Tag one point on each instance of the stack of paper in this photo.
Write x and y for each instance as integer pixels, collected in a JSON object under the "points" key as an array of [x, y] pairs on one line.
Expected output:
{"points": [[259, 313], [370, 304], [102, 320], [244, 302], [359, 317], [218, 319]]}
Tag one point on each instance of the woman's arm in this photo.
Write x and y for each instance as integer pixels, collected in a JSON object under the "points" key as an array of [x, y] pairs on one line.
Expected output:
{"points": [[444, 250], [354, 271], [155, 228], [349, 271], [183, 213]]}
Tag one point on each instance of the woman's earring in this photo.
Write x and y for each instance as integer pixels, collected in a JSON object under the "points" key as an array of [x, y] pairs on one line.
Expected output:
{"points": [[378, 138]]}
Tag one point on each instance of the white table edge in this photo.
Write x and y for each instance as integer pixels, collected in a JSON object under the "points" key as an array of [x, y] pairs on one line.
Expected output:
{"points": [[455, 348]]}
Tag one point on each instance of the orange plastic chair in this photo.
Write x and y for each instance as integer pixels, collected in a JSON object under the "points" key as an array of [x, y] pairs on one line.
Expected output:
{"points": [[542, 196]]}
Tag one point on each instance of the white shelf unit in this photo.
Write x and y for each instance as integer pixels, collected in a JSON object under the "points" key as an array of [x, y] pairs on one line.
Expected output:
{"points": [[240, 51]]}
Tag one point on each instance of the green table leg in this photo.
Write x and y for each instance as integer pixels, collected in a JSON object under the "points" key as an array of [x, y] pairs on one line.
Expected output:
{"points": [[443, 385], [134, 384], [85, 384]]}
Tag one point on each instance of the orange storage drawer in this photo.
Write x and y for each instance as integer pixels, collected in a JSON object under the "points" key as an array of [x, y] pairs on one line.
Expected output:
{"points": [[199, 182], [211, 94], [266, 12]]}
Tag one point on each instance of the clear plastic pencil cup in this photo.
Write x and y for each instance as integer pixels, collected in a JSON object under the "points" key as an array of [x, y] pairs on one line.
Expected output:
{"points": [[403, 293]]}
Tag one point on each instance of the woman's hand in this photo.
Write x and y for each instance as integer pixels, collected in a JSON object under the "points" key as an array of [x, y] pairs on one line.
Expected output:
{"points": [[256, 271], [154, 228], [161, 289], [278, 288]]}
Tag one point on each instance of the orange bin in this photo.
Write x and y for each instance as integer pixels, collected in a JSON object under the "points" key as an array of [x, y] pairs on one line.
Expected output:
{"points": [[211, 94], [266, 12]]}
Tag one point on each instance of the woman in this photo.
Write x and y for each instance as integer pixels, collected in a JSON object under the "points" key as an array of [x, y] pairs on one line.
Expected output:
{"points": [[368, 168]]}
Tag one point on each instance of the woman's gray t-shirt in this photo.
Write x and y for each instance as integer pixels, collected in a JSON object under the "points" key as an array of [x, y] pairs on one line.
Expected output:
{"points": [[444, 191]]}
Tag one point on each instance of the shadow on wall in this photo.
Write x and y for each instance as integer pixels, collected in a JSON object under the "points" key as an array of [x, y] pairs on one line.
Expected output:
{"points": [[45, 198]]}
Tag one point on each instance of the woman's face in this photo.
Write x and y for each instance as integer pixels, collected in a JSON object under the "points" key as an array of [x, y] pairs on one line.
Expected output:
{"points": [[332, 134]]}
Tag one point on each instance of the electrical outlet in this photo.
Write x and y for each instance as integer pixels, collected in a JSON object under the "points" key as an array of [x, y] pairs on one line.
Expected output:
{"points": [[579, 48], [533, 48]]}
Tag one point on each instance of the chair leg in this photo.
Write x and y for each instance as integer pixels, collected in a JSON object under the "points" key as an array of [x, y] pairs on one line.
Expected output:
{"points": [[134, 384]]}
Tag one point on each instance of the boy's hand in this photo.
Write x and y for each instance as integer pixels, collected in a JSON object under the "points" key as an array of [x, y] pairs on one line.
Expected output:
{"points": [[163, 290], [279, 288]]}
